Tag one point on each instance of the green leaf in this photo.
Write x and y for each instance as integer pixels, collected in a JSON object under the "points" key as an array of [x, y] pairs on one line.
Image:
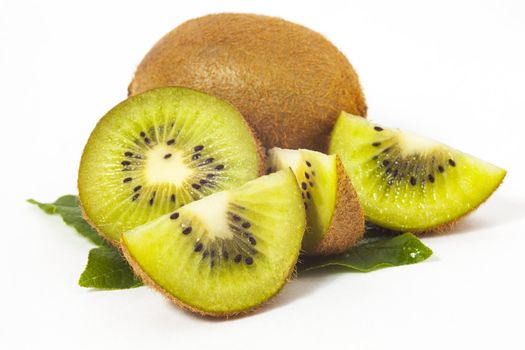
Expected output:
{"points": [[375, 253], [68, 207], [107, 269]]}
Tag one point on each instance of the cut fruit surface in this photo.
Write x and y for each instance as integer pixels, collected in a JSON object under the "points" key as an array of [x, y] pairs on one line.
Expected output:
{"points": [[158, 151], [226, 253], [407, 182], [335, 219]]}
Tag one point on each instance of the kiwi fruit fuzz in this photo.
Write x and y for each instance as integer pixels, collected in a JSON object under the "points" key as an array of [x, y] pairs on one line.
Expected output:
{"points": [[289, 82], [160, 150], [406, 182], [224, 254], [335, 220]]}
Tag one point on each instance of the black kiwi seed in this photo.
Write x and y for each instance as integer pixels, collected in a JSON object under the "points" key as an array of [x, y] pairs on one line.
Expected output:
{"points": [[219, 167], [308, 195], [174, 216], [238, 258], [203, 182], [205, 254], [302, 194], [376, 144], [198, 148], [451, 162], [431, 178], [128, 154], [236, 217], [248, 260], [225, 255], [142, 134], [307, 175], [128, 179], [196, 186], [375, 157], [125, 163], [208, 161], [210, 176], [167, 155], [170, 142], [198, 247], [151, 200], [137, 188], [394, 174], [246, 225], [308, 163], [441, 169], [386, 150], [196, 156], [388, 171], [412, 180], [303, 185], [135, 196], [305, 205], [378, 128], [187, 230], [386, 162], [311, 183], [252, 240], [147, 141], [173, 198]]}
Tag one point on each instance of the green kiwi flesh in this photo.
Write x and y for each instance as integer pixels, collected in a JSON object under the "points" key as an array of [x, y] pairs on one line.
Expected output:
{"points": [[323, 189], [158, 151], [407, 182], [224, 254]]}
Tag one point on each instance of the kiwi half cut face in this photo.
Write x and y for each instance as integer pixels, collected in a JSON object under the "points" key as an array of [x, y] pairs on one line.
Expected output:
{"points": [[158, 151], [335, 219], [224, 254], [407, 182]]}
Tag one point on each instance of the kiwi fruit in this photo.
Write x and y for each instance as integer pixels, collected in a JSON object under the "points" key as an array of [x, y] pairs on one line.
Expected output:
{"points": [[224, 254], [406, 182], [289, 82], [160, 150], [335, 220]]}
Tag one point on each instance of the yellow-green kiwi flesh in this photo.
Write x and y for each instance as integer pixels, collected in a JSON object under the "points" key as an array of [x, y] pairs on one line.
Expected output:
{"points": [[289, 82], [225, 254], [407, 182], [335, 219], [160, 150]]}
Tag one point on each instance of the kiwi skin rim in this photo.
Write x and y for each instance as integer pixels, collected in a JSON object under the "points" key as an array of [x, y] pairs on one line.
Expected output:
{"points": [[261, 157], [347, 225], [447, 226]]}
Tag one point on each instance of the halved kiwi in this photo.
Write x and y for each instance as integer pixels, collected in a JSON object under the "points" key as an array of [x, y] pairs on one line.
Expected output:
{"points": [[407, 182], [224, 254], [158, 151], [335, 219]]}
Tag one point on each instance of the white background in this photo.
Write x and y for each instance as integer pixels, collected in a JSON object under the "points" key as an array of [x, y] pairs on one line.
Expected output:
{"points": [[452, 70]]}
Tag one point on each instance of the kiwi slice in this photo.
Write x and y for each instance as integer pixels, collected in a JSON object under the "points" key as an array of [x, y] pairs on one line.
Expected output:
{"points": [[335, 219], [407, 182], [158, 151], [226, 253]]}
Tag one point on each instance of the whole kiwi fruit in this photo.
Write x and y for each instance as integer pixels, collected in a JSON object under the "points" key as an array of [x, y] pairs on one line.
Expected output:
{"points": [[289, 82]]}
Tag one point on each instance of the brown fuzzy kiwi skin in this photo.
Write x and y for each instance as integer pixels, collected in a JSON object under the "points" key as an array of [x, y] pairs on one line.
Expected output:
{"points": [[288, 81], [137, 269], [347, 225], [259, 149]]}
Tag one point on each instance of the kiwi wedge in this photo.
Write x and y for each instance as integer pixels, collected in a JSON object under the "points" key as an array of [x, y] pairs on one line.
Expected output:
{"points": [[224, 254], [158, 151], [335, 220], [289, 82], [406, 182]]}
